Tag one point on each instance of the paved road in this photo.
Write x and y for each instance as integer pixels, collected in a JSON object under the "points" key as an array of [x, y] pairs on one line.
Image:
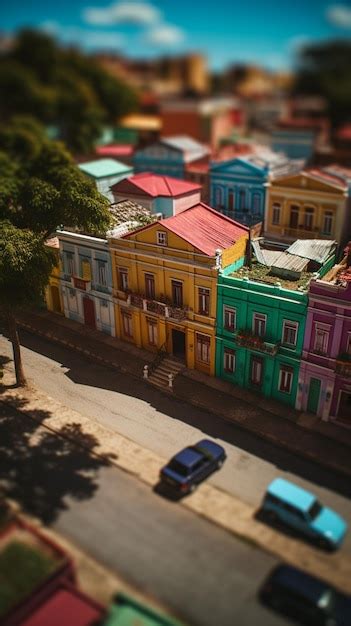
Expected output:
{"points": [[199, 571], [163, 424]]}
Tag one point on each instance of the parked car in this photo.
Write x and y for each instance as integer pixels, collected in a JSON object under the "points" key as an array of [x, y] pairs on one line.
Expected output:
{"points": [[192, 465], [301, 510], [305, 598]]}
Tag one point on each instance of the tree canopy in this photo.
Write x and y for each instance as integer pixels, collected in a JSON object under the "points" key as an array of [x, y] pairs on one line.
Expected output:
{"points": [[61, 87]]}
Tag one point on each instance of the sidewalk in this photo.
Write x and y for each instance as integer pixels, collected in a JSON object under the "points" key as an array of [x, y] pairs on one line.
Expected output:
{"points": [[324, 443]]}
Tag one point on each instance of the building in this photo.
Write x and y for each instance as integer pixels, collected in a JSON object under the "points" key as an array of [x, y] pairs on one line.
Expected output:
{"points": [[53, 296], [299, 138], [105, 172], [207, 120], [310, 204], [238, 186], [261, 315], [160, 194], [325, 375], [170, 156], [165, 282]]}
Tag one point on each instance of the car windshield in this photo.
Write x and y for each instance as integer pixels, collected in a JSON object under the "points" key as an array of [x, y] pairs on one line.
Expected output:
{"points": [[314, 509], [178, 468], [203, 451]]}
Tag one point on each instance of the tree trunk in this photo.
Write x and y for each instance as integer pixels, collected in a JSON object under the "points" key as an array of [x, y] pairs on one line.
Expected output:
{"points": [[20, 377]]}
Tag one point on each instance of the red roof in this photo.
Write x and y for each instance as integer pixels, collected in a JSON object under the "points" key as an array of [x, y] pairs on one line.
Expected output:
{"points": [[205, 229], [65, 606], [323, 175], [154, 185], [115, 150]]}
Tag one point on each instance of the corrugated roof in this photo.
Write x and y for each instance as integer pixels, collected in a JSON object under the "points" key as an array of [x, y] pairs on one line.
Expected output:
{"points": [[190, 148], [313, 249], [155, 185], [279, 259], [205, 229], [101, 168]]}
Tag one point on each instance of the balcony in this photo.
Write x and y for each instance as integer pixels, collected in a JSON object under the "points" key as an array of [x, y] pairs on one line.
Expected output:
{"points": [[81, 283], [343, 365], [247, 339], [164, 309], [304, 233]]}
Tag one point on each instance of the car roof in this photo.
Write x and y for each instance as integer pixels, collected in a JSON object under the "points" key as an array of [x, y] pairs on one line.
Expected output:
{"points": [[188, 457], [291, 493], [300, 582], [209, 446]]}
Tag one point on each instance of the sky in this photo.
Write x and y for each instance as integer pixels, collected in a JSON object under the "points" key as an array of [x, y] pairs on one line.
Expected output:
{"points": [[269, 32]]}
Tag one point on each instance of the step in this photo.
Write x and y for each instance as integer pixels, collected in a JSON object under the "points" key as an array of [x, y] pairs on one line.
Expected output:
{"points": [[166, 370], [159, 377], [159, 384], [173, 366]]}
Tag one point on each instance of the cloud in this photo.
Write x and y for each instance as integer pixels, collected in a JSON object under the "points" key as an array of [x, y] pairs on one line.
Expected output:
{"points": [[164, 35], [138, 13], [85, 38], [339, 15]]}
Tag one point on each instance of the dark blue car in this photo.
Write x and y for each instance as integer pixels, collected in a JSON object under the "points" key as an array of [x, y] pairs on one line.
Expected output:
{"points": [[192, 465]]}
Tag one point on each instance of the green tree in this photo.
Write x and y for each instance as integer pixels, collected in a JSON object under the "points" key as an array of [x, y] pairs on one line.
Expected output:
{"points": [[25, 266]]}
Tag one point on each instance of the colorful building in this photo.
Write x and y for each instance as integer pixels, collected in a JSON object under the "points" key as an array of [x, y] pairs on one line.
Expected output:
{"points": [[53, 296], [170, 156], [261, 314], [325, 375], [160, 194], [86, 280], [310, 204], [105, 173], [238, 186], [165, 282]]}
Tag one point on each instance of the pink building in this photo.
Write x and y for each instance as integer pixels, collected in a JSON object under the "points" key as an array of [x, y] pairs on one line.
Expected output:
{"points": [[325, 373]]}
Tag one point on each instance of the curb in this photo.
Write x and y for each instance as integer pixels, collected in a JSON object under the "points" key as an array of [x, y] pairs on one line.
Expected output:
{"points": [[335, 467]]}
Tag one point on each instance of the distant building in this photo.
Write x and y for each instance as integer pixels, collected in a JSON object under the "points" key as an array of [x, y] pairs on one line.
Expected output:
{"points": [[300, 138], [160, 194], [105, 172], [170, 156]]}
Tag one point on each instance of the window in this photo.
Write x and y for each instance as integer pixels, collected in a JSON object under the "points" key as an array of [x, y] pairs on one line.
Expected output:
{"points": [[289, 337], [328, 223], [69, 263], [204, 301], [127, 324], [85, 268], [102, 273], [203, 348], [294, 216], [321, 340], [276, 213], [231, 201], [152, 332], [229, 360], [229, 318], [259, 324], [256, 371], [122, 279], [218, 198], [256, 203], [161, 238], [177, 292], [150, 286], [285, 378], [309, 211], [242, 199]]}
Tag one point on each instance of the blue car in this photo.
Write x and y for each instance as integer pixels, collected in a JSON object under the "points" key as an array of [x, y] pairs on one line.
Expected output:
{"points": [[192, 465], [301, 510], [305, 598]]}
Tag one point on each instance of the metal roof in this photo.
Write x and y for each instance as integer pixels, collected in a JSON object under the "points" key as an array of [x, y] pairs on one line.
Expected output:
{"points": [[281, 260], [313, 249], [104, 168], [191, 149], [154, 185]]}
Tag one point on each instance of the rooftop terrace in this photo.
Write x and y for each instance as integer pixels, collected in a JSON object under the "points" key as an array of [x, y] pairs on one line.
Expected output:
{"points": [[263, 274]]}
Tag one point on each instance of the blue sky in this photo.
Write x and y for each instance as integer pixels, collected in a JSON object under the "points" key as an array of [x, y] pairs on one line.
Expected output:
{"points": [[266, 32]]}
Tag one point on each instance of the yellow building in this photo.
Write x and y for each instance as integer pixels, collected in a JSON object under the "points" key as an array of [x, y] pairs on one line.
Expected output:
{"points": [[165, 282], [312, 204], [53, 296]]}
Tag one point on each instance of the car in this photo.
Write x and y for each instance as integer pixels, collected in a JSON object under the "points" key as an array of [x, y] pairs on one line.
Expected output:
{"points": [[192, 465], [307, 599], [302, 511]]}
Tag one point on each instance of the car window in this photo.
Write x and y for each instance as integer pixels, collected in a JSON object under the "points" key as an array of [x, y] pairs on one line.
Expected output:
{"points": [[177, 467], [198, 465]]}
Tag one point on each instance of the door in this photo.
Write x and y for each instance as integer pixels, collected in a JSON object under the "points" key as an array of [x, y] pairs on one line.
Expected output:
{"points": [[178, 344], [313, 395], [344, 409], [89, 312], [56, 303]]}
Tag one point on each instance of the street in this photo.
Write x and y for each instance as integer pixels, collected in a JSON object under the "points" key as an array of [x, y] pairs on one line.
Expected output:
{"points": [[202, 573]]}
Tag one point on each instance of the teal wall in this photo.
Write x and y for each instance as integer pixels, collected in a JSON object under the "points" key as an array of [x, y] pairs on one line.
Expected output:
{"points": [[278, 304]]}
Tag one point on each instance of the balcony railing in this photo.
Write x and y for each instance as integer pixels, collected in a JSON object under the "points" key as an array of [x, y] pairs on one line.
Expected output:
{"points": [[248, 339], [305, 233], [81, 283], [343, 365], [165, 309]]}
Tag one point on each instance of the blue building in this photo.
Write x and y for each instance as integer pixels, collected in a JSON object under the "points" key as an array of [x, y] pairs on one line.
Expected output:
{"points": [[295, 143], [238, 186], [170, 156]]}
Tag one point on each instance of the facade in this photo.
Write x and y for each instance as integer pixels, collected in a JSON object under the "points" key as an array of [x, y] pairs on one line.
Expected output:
{"points": [[165, 282], [106, 172], [53, 296], [238, 186], [310, 204], [325, 376], [86, 280], [163, 195], [296, 143], [170, 156]]}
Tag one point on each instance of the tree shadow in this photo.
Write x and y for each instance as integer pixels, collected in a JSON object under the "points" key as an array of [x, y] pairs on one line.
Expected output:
{"points": [[39, 469]]}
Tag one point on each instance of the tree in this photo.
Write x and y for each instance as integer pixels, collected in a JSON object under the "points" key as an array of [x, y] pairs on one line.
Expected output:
{"points": [[324, 69], [25, 266]]}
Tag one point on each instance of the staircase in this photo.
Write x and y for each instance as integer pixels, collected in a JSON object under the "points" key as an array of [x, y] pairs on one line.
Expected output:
{"points": [[168, 365]]}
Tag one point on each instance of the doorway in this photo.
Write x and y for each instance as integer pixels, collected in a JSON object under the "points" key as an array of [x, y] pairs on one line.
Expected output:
{"points": [[344, 408], [56, 302], [313, 395], [89, 312], [178, 344]]}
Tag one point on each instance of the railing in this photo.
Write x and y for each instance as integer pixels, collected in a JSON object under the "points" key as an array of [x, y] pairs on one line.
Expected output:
{"points": [[255, 342], [161, 353], [343, 364], [155, 306], [305, 233]]}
